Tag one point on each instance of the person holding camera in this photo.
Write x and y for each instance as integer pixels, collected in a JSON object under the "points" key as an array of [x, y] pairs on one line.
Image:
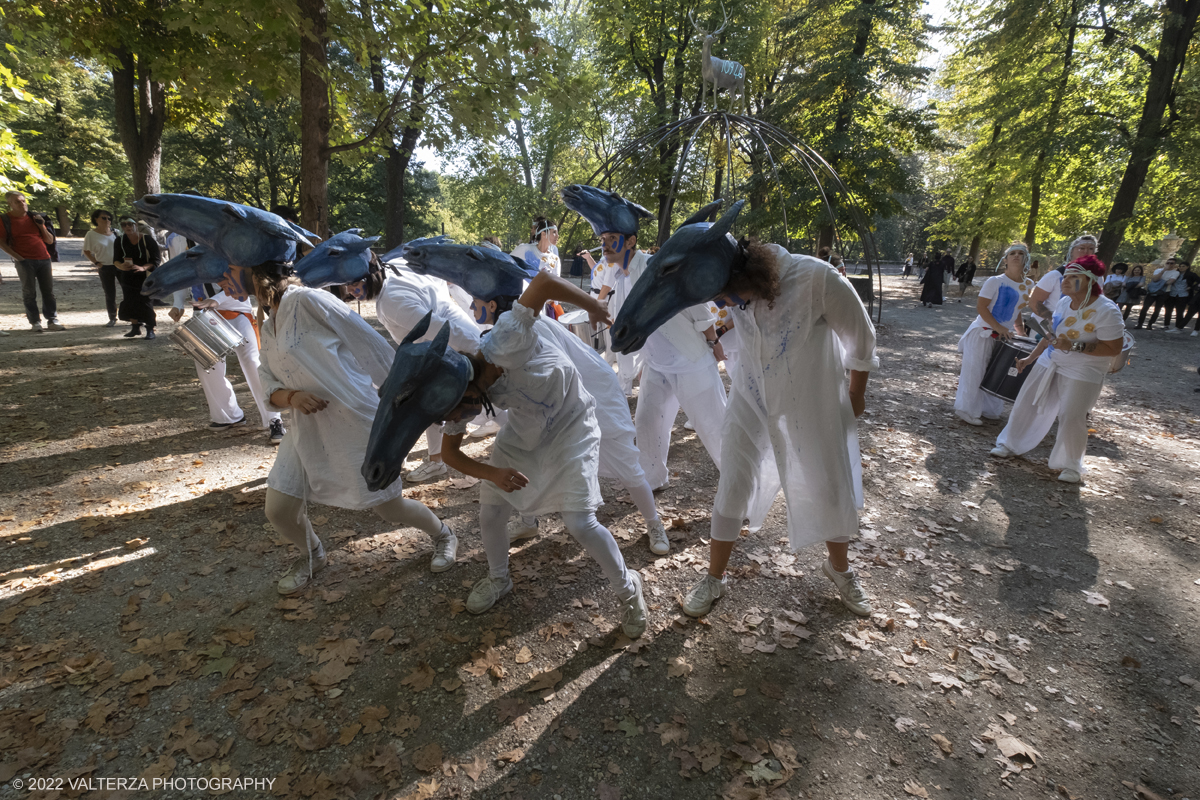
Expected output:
{"points": [[135, 255], [27, 239]]}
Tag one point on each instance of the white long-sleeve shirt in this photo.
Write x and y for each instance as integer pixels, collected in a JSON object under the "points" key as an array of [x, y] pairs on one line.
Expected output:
{"points": [[407, 297]]}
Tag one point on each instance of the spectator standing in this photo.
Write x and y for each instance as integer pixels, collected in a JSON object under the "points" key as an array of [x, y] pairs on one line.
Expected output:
{"points": [[1193, 300], [98, 249], [135, 256], [1114, 284], [28, 240], [1158, 294], [1133, 288], [1180, 294], [966, 274], [936, 274], [541, 250], [908, 267]]}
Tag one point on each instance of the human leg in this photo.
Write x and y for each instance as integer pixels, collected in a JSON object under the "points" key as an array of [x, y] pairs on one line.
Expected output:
{"points": [[702, 395], [44, 272], [223, 409], [976, 353], [288, 516], [249, 360], [723, 534], [1070, 443], [1028, 424], [837, 569], [411, 514], [653, 419], [600, 545], [108, 282], [28, 277], [493, 519]]}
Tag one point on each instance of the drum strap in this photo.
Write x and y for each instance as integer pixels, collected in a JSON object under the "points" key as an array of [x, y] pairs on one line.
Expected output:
{"points": [[231, 315]]}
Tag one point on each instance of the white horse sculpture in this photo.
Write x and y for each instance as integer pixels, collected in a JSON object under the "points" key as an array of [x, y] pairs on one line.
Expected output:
{"points": [[722, 74]]}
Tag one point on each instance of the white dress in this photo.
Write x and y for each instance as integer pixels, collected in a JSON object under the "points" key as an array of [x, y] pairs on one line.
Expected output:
{"points": [[620, 285], [1064, 385], [315, 343], [407, 297], [551, 436], [789, 423], [546, 262], [1007, 299], [619, 457]]}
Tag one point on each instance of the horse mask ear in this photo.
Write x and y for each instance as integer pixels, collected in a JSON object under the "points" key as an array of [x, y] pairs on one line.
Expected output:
{"points": [[703, 214], [723, 225], [420, 329]]}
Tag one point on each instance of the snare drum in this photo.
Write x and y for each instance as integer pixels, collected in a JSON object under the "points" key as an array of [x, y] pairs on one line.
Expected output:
{"points": [[577, 322], [1119, 362], [207, 337], [1001, 379]]}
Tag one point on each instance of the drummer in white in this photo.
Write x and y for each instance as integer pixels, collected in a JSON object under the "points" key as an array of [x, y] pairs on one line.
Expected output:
{"points": [[1065, 383], [1046, 295], [1002, 298]]}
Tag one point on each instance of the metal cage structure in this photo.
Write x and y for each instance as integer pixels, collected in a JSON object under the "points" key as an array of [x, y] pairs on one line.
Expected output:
{"points": [[723, 154]]}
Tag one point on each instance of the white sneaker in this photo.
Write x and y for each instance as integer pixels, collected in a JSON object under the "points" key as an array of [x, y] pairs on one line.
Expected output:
{"points": [[665, 485], [688, 426], [299, 575], [518, 530], [660, 545], [967, 418], [426, 472], [486, 593], [445, 550], [850, 588], [1000, 451], [55, 325], [1069, 476], [1196, 332], [700, 599], [486, 429], [633, 610]]}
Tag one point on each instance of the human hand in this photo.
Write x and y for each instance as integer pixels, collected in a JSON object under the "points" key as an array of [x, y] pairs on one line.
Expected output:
{"points": [[598, 313], [1062, 343], [509, 480], [1004, 333], [307, 402], [586, 255], [858, 402], [175, 314], [1022, 363], [207, 302], [718, 351]]}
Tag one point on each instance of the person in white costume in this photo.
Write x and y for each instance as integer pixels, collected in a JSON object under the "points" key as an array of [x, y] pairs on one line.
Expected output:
{"points": [[324, 362], [542, 249], [404, 301], [680, 370], [790, 423], [546, 459], [619, 456], [1002, 298], [623, 264], [1046, 295], [1088, 331]]}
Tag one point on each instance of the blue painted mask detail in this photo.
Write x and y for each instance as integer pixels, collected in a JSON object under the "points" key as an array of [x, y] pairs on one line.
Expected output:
{"points": [[426, 382], [240, 234], [484, 273], [191, 268], [341, 259], [604, 210], [692, 267]]}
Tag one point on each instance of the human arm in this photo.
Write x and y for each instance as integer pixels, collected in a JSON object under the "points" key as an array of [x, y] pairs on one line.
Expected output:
{"points": [[1037, 302], [505, 479], [710, 335], [1022, 363], [983, 306], [546, 287], [848, 320], [858, 391], [305, 402], [46, 234]]}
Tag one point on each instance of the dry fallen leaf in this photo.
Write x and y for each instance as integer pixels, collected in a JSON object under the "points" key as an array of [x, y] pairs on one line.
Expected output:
{"points": [[1096, 599], [943, 743], [475, 769], [420, 678], [511, 756], [678, 667], [428, 758], [912, 787], [524, 655], [545, 680]]}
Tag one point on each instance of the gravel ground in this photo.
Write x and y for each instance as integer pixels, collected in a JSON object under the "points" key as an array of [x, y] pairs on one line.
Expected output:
{"points": [[1031, 638]]}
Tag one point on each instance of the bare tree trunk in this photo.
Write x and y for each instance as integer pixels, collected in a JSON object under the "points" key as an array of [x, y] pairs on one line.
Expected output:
{"points": [[985, 202], [1039, 167], [1178, 24], [140, 112], [400, 157], [64, 220], [314, 117], [526, 167]]}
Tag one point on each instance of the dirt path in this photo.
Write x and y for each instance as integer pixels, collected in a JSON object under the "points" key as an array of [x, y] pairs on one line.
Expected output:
{"points": [[1032, 639]]}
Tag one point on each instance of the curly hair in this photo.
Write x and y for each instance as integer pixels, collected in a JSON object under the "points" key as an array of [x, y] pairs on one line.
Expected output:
{"points": [[758, 275]]}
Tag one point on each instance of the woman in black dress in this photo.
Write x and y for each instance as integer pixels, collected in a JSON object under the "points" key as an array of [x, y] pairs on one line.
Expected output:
{"points": [[135, 256], [931, 288]]}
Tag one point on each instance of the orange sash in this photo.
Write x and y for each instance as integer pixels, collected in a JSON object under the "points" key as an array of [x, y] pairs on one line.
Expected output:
{"points": [[231, 315]]}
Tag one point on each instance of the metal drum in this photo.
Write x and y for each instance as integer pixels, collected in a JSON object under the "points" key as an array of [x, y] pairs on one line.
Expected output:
{"points": [[1119, 362], [577, 322], [1001, 379], [207, 337]]}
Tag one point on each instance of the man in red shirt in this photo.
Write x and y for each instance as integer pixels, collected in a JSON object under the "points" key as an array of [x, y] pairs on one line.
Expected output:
{"points": [[25, 239]]}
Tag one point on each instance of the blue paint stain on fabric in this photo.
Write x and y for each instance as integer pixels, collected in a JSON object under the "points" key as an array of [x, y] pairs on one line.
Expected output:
{"points": [[1005, 304]]}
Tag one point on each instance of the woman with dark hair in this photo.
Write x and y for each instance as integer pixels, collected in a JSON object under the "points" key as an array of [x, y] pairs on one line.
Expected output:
{"points": [[135, 255], [324, 362], [790, 422], [546, 458], [1085, 333], [935, 276], [1133, 288], [98, 249], [541, 251]]}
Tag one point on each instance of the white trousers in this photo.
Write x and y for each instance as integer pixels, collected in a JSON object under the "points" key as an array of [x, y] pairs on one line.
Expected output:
{"points": [[970, 399], [701, 394], [289, 516], [218, 391], [1064, 398], [627, 370], [582, 525]]}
